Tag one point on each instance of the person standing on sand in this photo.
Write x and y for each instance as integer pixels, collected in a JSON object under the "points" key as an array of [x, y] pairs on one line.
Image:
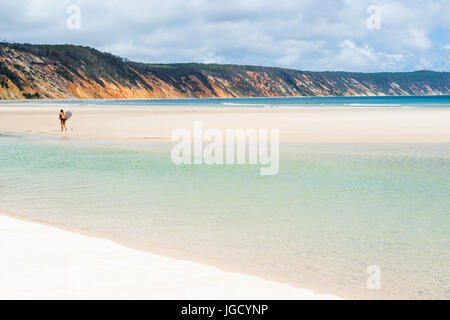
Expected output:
{"points": [[63, 119]]}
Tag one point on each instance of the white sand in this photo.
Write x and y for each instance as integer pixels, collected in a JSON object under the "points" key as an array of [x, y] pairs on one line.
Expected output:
{"points": [[38, 261], [310, 125], [42, 262]]}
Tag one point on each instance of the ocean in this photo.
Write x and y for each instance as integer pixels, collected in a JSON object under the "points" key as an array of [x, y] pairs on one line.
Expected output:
{"points": [[331, 212], [381, 101]]}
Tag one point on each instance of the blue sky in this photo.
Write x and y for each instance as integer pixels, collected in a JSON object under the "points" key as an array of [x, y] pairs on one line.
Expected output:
{"points": [[317, 35]]}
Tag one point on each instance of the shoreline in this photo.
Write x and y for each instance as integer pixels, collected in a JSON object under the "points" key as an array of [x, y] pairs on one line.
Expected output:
{"points": [[74, 257], [244, 97], [296, 125], [303, 126]]}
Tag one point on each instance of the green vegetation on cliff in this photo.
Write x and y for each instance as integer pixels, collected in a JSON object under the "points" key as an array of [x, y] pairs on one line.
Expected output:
{"points": [[68, 71]]}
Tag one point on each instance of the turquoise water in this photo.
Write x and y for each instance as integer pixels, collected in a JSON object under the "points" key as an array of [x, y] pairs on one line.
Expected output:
{"points": [[390, 101], [332, 210]]}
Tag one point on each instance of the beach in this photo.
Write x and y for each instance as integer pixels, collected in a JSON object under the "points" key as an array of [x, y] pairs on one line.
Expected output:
{"points": [[356, 187], [228, 151], [42, 262], [306, 125]]}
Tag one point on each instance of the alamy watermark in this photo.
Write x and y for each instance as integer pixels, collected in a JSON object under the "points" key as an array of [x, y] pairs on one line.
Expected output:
{"points": [[373, 21], [74, 19], [374, 280], [229, 146]]}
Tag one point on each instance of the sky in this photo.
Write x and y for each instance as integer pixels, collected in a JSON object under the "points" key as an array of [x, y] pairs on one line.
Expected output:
{"points": [[314, 35]]}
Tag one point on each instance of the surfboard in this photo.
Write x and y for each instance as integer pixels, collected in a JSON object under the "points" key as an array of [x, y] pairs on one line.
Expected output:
{"points": [[68, 114]]}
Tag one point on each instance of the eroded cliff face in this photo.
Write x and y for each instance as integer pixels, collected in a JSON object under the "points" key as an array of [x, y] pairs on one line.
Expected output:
{"points": [[74, 72]]}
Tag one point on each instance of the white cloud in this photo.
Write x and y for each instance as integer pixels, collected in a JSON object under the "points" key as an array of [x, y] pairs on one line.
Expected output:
{"points": [[417, 39], [213, 58], [447, 46], [351, 51], [301, 34], [352, 57]]}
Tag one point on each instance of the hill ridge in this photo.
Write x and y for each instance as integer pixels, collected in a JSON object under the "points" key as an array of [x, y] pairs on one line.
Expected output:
{"points": [[69, 72]]}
